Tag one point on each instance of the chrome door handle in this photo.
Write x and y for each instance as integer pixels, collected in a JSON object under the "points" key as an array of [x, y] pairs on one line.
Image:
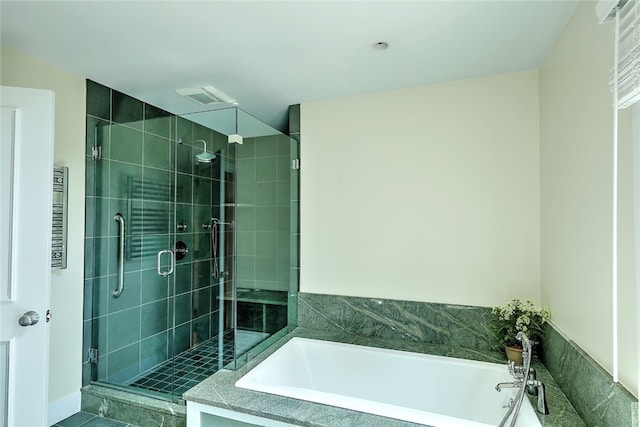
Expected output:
{"points": [[172, 262], [30, 318], [120, 219]]}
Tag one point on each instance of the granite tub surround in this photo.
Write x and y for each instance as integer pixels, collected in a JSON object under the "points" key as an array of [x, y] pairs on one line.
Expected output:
{"points": [[598, 400], [132, 408], [219, 390], [448, 324]]}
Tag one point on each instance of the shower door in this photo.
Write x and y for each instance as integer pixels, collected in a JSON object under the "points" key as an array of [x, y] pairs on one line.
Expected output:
{"points": [[191, 255], [153, 306]]}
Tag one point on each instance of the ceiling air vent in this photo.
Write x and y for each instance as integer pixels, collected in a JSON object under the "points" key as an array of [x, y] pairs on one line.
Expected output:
{"points": [[207, 95]]}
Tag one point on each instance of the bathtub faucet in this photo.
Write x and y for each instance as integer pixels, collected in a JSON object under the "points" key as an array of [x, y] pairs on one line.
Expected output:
{"points": [[520, 381], [537, 385]]}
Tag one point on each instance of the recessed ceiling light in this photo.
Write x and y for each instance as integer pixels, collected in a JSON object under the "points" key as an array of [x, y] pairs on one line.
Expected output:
{"points": [[380, 46], [206, 95]]}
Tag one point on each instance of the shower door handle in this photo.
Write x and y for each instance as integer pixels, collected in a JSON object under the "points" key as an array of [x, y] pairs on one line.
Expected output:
{"points": [[120, 220], [172, 262]]}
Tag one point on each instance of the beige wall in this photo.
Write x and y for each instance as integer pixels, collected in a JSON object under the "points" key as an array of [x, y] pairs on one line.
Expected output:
{"points": [[66, 285], [576, 194], [425, 194]]}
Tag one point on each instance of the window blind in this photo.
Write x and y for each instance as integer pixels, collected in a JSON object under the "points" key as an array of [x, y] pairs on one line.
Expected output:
{"points": [[627, 72]]}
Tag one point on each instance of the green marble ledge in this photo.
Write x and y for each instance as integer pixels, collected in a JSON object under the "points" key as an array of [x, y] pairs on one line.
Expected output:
{"points": [[447, 324], [219, 389], [598, 400], [132, 408]]}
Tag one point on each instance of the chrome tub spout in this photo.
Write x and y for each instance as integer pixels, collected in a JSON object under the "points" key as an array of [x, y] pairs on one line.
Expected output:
{"points": [[514, 384]]}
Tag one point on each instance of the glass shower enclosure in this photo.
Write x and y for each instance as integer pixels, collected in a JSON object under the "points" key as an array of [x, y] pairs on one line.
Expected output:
{"points": [[191, 243]]}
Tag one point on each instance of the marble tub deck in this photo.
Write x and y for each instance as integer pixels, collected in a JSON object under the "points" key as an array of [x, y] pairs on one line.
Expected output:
{"points": [[219, 389]]}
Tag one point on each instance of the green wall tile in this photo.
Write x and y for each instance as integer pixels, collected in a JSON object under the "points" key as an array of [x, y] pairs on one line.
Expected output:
{"points": [[265, 268], [246, 170], [97, 133], [201, 132], [201, 247], [156, 152], [247, 149], [294, 118], [184, 189], [133, 253], [266, 146], [182, 338], [157, 121], [283, 167], [245, 218], [156, 217], [126, 109], [154, 286], [98, 100], [154, 351], [130, 296], [183, 129], [245, 267], [183, 280], [124, 180], [150, 247], [200, 271], [102, 291], [182, 308], [90, 212], [201, 302], [201, 328], [124, 328], [202, 191], [184, 214], [246, 193], [184, 158], [266, 194], [157, 184], [201, 215], [245, 243], [124, 364], [266, 219], [154, 318], [102, 186], [266, 169], [265, 243], [125, 144], [87, 302], [90, 178]]}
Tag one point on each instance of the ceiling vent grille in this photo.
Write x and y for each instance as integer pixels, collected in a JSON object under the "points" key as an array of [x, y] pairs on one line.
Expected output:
{"points": [[206, 95]]}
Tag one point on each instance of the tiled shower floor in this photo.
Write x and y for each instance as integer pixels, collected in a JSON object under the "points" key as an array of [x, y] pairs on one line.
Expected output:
{"points": [[196, 364]]}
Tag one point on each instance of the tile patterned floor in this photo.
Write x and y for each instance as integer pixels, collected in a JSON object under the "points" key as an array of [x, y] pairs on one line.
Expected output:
{"points": [[85, 419], [196, 364]]}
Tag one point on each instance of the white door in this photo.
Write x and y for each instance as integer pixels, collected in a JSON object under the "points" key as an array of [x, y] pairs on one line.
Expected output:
{"points": [[26, 167]]}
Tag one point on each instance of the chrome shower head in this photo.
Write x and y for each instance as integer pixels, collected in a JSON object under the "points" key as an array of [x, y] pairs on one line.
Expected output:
{"points": [[205, 156]]}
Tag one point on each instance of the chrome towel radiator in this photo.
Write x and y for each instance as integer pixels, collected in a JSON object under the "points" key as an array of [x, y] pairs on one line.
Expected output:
{"points": [[59, 220]]}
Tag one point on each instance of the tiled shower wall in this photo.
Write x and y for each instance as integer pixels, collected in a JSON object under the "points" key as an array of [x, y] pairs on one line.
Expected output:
{"points": [[264, 204], [135, 177]]}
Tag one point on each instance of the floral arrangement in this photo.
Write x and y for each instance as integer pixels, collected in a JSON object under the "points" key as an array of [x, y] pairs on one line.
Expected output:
{"points": [[516, 316]]}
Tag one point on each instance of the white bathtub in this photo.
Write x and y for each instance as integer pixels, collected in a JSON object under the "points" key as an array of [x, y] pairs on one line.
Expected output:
{"points": [[425, 389]]}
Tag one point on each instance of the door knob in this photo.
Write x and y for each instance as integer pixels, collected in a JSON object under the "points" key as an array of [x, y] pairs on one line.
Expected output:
{"points": [[30, 318]]}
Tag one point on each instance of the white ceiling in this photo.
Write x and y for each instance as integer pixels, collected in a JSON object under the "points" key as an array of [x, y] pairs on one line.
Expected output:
{"points": [[271, 54]]}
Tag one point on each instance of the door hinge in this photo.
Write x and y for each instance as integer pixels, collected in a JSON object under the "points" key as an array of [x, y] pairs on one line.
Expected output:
{"points": [[96, 152], [48, 315], [295, 164], [93, 355]]}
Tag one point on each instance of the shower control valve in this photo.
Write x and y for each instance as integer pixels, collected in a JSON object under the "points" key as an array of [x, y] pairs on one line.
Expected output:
{"points": [[181, 250]]}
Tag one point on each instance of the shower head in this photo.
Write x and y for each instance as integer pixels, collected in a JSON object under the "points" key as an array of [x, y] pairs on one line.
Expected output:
{"points": [[205, 157]]}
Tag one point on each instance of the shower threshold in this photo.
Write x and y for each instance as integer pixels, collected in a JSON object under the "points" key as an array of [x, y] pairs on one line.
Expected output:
{"points": [[192, 366]]}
